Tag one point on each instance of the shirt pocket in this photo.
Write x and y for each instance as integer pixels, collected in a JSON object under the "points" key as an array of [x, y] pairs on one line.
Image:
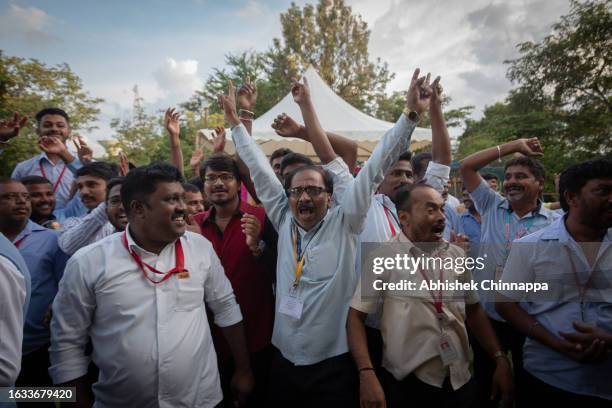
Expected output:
{"points": [[320, 263], [189, 296]]}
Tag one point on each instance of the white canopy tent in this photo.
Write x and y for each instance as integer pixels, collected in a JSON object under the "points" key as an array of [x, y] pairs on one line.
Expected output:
{"points": [[335, 114]]}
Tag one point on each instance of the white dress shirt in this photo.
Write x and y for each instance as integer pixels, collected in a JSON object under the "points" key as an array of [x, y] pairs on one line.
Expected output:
{"points": [[151, 342], [12, 298]]}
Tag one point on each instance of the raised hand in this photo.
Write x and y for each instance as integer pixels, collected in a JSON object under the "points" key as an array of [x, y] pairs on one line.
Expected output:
{"points": [[10, 128], [124, 164], [300, 92], [219, 139], [530, 147], [196, 159], [84, 152], [418, 96], [436, 93], [247, 95], [285, 126], [52, 145], [251, 227], [171, 122], [228, 104]]}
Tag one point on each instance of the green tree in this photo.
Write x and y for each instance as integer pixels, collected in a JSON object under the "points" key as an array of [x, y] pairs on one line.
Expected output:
{"points": [[331, 38], [139, 135], [27, 86]]}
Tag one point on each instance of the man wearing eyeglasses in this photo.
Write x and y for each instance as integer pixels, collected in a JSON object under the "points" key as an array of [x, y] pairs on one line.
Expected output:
{"points": [[315, 272]]}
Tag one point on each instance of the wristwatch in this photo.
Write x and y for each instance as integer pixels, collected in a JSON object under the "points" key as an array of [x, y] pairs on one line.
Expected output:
{"points": [[412, 115]]}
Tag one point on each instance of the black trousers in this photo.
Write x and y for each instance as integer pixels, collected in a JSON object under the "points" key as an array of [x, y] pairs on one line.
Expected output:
{"points": [[484, 366], [260, 366], [415, 393], [330, 383], [544, 395], [35, 373]]}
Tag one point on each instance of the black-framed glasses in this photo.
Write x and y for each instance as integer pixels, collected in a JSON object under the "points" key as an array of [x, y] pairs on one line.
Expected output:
{"points": [[312, 191], [212, 178]]}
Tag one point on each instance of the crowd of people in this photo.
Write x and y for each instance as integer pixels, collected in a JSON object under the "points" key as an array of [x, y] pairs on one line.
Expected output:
{"points": [[240, 283]]}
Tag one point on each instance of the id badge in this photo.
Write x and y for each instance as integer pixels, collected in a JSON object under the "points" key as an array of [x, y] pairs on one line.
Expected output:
{"points": [[447, 350], [290, 305]]}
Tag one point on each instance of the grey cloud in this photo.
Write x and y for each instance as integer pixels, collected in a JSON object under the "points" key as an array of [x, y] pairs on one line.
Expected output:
{"points": [[28, 24]]}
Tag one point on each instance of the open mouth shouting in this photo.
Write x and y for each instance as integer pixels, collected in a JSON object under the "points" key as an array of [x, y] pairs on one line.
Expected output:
{"points": [[438, 231]]}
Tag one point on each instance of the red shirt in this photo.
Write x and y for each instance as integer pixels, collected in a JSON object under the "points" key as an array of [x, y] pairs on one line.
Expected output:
{"points": [[251, 281]]}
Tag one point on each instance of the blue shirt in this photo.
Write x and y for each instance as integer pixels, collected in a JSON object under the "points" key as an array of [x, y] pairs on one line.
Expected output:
{"points": [[471, 228], [500, 226], [544, 257], [46, 262], [52, 172], [451, 221], [74, 209], [328, 279]]}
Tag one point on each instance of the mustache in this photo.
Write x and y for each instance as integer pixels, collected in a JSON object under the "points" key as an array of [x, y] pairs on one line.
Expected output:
{"points": [[87, 196], [509, 186], [439, 227], [305, 206]]}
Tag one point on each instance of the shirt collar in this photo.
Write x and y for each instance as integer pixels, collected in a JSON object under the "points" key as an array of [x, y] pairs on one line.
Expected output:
{"points": [[133, 245], [209, 215], [541, 210], [30, 227], [413, 249], [557, 231]]}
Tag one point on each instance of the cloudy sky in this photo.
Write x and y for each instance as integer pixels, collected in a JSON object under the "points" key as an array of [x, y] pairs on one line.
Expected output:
{"points": [[169, 47]]}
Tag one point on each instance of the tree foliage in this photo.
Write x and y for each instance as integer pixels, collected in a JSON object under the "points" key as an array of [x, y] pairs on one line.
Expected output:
{"points": [[27, 86]]}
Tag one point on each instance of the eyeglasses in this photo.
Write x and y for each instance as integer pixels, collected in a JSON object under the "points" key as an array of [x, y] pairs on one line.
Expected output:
{"points": [[211, 179], [312, 191]]}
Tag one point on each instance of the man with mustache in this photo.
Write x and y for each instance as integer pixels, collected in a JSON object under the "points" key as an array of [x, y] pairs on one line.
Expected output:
{"points": [[415, 371], [92, 182], [568, 352], [45, 261], [55, 163], [43, 203], [504, 219], [382, 222], [140, 296], [242, 237], [316, 253]]}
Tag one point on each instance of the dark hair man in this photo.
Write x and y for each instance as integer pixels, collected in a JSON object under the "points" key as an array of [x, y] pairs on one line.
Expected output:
{"points": [[492, 179], [313, 292], [567, 352], [154, 265], [55, 163], [45, 261], [277, 157], [92, 182], [245, 242], [420, 162], [504, 219], [424, 325]]}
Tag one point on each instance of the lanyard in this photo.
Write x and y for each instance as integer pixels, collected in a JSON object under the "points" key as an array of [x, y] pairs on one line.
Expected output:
{"points": [[582, 289], [59, 179], [391, 226], [18, 243], [437, 302], [298, 253], [179, 263]]}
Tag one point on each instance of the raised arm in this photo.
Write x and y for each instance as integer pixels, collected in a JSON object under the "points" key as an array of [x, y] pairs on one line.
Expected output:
{"points": [[247, 98], [80, 232], [173, 126], [52, 145], [441, 148], [269, 189], [316, 134], [286, 126], [474, 162]]}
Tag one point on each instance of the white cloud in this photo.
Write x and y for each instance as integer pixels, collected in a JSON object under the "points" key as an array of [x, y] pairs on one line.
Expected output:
{"points": [[178, 79], [251, 9], [28, 24]]}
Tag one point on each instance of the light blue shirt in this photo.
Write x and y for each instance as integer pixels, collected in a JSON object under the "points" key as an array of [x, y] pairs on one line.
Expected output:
{"points": [[74, 208], [45, 260], [471, 228], [541, 257], [328, 277], [31, 167], [452, 222], [499, 227]]}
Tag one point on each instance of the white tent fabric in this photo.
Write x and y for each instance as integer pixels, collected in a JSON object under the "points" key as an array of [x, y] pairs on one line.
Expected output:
{"points": [[335, 114]]}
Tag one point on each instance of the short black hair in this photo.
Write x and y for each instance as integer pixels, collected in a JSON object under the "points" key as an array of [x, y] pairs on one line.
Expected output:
{"points": [[328, 179], [112, 183], [99, 169], [51, 111], [190, 188], [404, 193], [416, 160], [294, 158], [198, 182], [220, 162], [280, 152], [8, 180], [141, 182], [575, 177], [406, 156], [534, 166], [490, 176], [30, 180]]}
